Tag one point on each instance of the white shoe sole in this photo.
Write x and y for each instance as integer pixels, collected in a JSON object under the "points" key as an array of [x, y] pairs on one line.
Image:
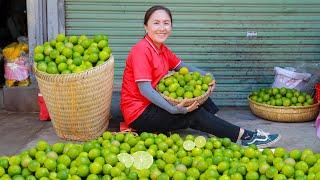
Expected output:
{"points": [[270, 144]]}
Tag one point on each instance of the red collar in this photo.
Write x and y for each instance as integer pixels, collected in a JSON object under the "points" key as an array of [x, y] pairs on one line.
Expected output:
{"points": [[149, 40]]}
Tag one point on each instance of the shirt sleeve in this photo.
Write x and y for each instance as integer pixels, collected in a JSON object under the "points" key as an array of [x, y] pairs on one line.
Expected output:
{"points": [[174, 61], [142, 69]]}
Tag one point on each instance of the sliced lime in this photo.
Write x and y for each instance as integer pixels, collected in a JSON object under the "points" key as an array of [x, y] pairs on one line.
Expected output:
{"points": [[142, 160], [200, 141], [188, 145], [126, 159]]}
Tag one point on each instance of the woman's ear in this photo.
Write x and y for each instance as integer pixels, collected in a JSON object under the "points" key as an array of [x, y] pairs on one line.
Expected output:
{"points": [[145, 28]]}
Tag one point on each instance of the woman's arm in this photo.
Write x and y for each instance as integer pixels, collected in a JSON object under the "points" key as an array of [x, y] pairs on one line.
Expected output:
{"points": [[152, 95], [191, 68]]}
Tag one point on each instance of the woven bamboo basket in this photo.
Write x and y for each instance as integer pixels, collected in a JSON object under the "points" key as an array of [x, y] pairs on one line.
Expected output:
{"points": [[200, 99], [79, 104], [284, 114]]}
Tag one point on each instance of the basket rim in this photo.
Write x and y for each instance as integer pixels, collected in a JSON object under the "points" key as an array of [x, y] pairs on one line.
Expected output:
{"points": [[283, 107], [209, 90], [72, 75]]}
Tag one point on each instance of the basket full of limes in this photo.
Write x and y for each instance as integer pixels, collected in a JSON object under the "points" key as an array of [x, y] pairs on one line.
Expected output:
{"points": [[283, 105], [75, 77], [186, 86]]}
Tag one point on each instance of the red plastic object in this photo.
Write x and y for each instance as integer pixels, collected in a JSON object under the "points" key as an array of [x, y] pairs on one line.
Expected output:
{"points": [[43, 114], [317, 95]]}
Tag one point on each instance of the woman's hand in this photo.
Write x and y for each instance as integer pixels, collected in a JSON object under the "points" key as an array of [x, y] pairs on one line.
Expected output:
{"points": [[183, 110]]}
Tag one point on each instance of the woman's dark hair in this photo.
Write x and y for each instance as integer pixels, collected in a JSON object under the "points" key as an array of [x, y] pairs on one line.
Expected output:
{"points": [[151, 10]]}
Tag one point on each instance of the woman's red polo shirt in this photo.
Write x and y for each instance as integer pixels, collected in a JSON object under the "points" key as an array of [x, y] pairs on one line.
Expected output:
{"points": [[145, 62]]}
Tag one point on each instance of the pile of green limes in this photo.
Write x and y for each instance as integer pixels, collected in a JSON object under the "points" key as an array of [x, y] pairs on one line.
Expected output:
{"points": [[123, 156], [184, 84], [281, 97], [74, 54]]}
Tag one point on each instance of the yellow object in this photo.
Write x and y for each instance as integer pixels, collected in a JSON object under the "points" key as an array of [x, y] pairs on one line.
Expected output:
{"points": [[24, 47], [10, 83], [23, 83], [13, 50]]}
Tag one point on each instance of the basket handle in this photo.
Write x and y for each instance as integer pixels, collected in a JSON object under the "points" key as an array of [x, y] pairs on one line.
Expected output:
{"points": [[212, 85]]}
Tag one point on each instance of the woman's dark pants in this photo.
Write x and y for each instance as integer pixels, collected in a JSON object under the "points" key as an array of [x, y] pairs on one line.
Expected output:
{"points": [[156, 119]]}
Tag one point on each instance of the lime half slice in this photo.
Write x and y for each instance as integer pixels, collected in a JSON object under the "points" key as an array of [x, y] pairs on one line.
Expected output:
{"points": [[188, 145], [126, 159], [200, 141], [142, 160]]}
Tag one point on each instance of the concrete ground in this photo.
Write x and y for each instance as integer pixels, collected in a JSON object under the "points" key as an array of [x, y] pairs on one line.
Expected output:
{"points": [[19, 131]]}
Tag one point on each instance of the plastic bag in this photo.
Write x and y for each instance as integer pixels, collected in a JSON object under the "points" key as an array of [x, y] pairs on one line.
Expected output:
{"points": [[311, 85], [289, 78], [23, 39], [17, 70], [16, 73], [16, 64], [318, 126], [43, 111]]}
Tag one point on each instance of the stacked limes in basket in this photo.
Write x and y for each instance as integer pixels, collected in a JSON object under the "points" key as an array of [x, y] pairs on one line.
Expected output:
{"points": [[281, 97], [184, 84], [74, 54]]}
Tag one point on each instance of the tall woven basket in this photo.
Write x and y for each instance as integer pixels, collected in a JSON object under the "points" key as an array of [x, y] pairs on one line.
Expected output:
{"points": [[79, 104]]}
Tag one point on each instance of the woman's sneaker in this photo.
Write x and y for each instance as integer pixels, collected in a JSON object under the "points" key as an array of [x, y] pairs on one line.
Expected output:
{"points": [[262, 139]]}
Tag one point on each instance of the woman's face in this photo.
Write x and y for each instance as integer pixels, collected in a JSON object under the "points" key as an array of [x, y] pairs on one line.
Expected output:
{"points": [[159, 27]]}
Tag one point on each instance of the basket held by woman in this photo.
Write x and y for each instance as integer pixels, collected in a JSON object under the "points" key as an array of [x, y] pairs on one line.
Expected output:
{"points": [[188, 101]]}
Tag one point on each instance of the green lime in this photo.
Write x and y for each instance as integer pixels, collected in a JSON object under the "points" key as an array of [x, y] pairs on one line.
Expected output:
{"points": [[38, 57], [200, 141], [60, 38], [14, 170], [38, 49], [95, 168], [188, 145], [142, 160], [126, 159], [42, 66], [83, 170], [183, 70]]}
